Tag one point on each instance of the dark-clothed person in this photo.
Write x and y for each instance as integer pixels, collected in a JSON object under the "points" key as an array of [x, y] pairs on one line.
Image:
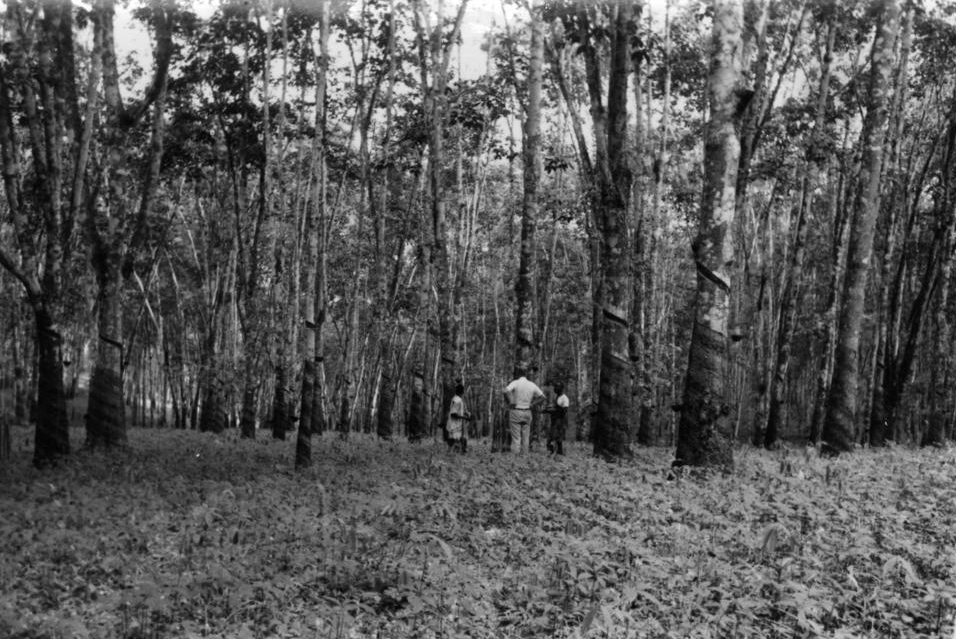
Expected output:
{"points": [[559, 421]]}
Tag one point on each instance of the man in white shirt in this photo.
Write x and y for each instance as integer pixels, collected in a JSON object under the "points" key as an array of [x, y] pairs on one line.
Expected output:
{"points": [[521, 394]]}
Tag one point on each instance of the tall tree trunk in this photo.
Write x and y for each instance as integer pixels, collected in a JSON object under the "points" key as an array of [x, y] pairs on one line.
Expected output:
{"points": [[524, 355], [247, 416], [704, 430], [106, 413], [415, 419], [637, 335], [319, 418], [841, 408], [386, 402], [303, 441], [34, 72], [213, 418], [280, 403], [612, 434], [118, 228], [389, 380], [52, 440], [320, 296], [887, 385]]}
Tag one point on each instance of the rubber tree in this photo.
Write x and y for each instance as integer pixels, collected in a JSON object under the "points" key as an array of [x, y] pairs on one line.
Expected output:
{"points": [[310, 411], [44, 151], [117, 211], [531, 150], [606, 177], [704, 428], [839, 424], [611, 434], [388, 379]]}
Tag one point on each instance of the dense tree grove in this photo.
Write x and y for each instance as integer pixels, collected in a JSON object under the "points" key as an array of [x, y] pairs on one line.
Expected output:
{"points": [[712, 223]]}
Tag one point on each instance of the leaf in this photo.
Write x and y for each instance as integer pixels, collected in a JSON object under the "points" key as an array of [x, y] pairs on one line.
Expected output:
{"points": [[589, 618], [446, 549], [899, 565], [773, 536]]}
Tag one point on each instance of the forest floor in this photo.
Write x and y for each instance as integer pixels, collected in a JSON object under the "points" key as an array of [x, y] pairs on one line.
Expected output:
{"points": [[194, 535]]}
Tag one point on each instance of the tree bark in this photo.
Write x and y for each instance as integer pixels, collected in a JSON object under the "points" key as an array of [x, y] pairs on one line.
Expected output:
{"points": [[32, 70], [612, 433], [247, 417], [704, 430], [280, 404], [524, 353], [116, 226], [106, 413], [887, 387], [415, 419], [839, 424], [52, 439]]}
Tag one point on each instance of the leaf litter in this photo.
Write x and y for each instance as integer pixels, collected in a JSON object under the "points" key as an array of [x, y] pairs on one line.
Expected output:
{"points": [[192, 535]]}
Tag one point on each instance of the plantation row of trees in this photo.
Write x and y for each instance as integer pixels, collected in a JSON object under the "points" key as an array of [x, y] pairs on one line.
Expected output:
{"points": [[318, 215]]}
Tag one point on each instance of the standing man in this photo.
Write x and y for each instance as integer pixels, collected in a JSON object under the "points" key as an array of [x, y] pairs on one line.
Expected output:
{"points": [[457, 416], [521, 394], [559, 420]]}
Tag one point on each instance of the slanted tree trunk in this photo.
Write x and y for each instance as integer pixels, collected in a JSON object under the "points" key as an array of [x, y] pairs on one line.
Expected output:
{"points": [[839, 425], [704, 430]]}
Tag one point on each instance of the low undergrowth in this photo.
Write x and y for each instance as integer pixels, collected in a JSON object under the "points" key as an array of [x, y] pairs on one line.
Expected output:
{"points": [[192, 535]]}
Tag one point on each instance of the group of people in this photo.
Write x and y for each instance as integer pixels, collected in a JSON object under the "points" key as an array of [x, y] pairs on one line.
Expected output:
{"points": [[522, 395]]}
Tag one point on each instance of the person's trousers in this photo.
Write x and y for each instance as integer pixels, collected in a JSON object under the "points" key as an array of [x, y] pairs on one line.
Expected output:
{"points": [[556, 445], [519, 420]]}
